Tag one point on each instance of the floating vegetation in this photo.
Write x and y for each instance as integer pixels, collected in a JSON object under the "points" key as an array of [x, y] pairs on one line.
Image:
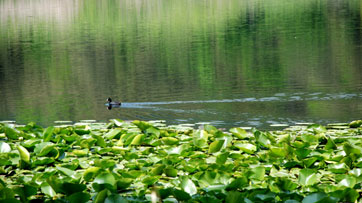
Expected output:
{"points": [[142, 161]]}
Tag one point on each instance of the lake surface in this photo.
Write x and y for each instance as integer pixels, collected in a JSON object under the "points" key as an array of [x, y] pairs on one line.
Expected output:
{"points": [[230, 62]]}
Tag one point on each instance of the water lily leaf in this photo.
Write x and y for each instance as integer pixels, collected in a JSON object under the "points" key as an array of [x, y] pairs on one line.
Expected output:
{"points": [[150, 180], [278, 152], [302, 153], [48, 133], [170, 171], [115, 198], [66, 171], [100, 140], [25, 191], [319, 198], [356, 172], [307, 177], [239, 133], [246, 147], [258, 173], [47, 189], [355, 124], [216, 146], [238, 183], [82, 131], [78, 197], [330, 144], [138, 139], [158, 169], [70, 188], [101, 196], [105, 178], [11, 133], [170, 140], [222, 158], [234, 197], [112, 133], [338, 168], [44, 148], [348, 181], [188, 186], [43, 161], [124, 183], [24, 154], [349, 149], [262, 139], [181, 195], [200, 138], [4, 147], [153, 130], [142, 125]]}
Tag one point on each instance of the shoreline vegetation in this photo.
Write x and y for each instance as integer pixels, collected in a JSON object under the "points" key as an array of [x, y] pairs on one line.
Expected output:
{"points": [[150, 161]]}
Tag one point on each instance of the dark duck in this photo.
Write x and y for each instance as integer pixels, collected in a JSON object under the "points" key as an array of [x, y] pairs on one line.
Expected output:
{"points": [[111, 104]]}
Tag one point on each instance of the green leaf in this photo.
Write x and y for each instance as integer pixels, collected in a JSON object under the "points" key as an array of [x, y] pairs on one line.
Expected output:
{"points": [[238, 183], [200, 138], [4, 147], [239, 133], [105, 178], [47, 189], [138, 139], [70, 188], [338, 168], [278, 152], [348, 181], [11, 133], [170, 171], [234, 197], [216, 146], [188, 186], [44, 148], [48, 133], [246, 147], [112, 133], [307, 177], [78, 197], [24, 154], [66, 171], [262, 139], [115, 198], [330, 144], [258, 173], [181, 195], [101, 196], [150, 180], [319, 198], [170, 140]]}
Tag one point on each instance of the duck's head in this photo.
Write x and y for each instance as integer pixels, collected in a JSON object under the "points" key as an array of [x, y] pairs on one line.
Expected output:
{"points": [[109, 100]]}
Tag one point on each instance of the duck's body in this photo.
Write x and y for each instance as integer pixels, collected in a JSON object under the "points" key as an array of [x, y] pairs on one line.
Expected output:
{"points": [[111, 104]]}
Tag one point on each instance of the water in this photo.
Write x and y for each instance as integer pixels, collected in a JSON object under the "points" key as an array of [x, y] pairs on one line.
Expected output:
{"points": [[230, 62]]}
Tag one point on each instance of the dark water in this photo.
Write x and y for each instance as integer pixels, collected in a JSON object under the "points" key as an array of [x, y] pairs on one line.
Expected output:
{"points": [[230, 62]]}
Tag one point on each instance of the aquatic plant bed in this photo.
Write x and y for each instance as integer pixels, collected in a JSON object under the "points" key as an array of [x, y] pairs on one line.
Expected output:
{"points": [[149, 161]]}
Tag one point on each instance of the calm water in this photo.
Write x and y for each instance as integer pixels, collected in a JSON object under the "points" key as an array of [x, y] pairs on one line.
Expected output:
{"points": [[229, 62]]}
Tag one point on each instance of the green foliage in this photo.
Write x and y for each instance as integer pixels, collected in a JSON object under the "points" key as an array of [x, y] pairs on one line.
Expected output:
{"points": [[122, 163]]}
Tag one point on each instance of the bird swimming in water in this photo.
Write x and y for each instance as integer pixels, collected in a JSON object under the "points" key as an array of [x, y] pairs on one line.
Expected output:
{"points": [[111, 104]]}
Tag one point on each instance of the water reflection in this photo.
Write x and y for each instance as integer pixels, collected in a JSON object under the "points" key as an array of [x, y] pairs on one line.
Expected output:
{"points": [[231, 62]]}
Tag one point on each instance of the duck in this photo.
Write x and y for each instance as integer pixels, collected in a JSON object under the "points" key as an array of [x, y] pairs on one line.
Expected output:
{"points": [[110, 104]]}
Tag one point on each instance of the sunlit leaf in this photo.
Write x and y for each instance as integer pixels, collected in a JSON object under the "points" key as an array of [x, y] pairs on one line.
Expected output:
{"points": [[246, 147], [239, 133], [216, 146], [4, 147], [307, 177], [188, 186], [24, 154]]}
